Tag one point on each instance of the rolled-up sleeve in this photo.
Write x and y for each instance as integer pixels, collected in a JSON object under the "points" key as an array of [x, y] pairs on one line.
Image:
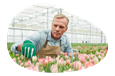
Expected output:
{"points": [[34, 38], [69, 49], [13, 47]]}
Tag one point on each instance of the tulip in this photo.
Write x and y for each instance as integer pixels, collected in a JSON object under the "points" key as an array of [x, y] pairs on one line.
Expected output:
{"points": [[81, 58], [18, 58], [102, 51], [97, 53], [14, 59], [95, 60], [66, 57], [102, 55], [54, 68], [20, 61], [34, 59], [70, 55], [61, 53], [88, 64], [77, 65], [65, 53], [22, 64], [51, 60], [17, 54], [28, 63], [67, 62]]}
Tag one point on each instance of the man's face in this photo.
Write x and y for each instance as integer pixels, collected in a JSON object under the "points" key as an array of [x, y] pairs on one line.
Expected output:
{"points": [[59, 26]]}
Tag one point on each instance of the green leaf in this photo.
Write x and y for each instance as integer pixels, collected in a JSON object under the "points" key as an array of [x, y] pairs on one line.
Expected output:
{"points": [[48, 68]]}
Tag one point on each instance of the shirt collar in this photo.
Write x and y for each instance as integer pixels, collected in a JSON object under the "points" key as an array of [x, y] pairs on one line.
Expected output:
{"points": [[51, 39]]}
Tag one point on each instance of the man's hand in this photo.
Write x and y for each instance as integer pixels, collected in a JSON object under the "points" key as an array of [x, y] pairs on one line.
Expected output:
{"points": [[28, 49]]}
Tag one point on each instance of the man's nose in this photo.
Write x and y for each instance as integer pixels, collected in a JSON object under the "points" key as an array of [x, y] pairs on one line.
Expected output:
{"points": [[57, 28]]}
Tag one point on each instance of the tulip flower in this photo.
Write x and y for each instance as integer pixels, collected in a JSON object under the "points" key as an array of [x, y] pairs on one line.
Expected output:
{"points": [[81, 58], [66, 57], [65, 53], [102, 51], [61, 53], [34, 59], [14, 59], [18, 58], [77, 65], [88, 64], [54, 68], [70, 55], [22, 64], [95, 60], [28, 63]]}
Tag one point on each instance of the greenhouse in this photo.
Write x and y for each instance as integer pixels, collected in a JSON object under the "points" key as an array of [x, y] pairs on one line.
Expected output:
{"points": [[38, 17], [85, 46]]}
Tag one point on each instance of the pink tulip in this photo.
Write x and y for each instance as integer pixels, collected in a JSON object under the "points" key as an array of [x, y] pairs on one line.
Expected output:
{"points": [[91, 56], [81, 58], [37, 63], [61, 53], [18, 58], [67, 62], [51, 60], [95, 60], [97, 53], [102, 51], [66, 57], [86, 56], [91, 60], [88, 64], [54, 68], [57, 59], [60, 62], [20, 61], [41, 61], [17, 54], [77, 65], [70, 55], [14, 59], [102, 55], [28, 63], [22, 64], [65, 53]]}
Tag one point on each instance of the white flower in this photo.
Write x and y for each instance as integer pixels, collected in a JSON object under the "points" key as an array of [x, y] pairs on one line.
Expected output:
{"points": [[34, 58]]}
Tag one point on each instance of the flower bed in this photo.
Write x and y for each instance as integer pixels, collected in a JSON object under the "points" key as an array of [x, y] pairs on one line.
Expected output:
{"points": [[87, 57]]}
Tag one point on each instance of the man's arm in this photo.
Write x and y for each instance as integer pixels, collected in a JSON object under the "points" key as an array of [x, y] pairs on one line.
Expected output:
{"points": [[34, 38], [18, 48], [69, 49]]}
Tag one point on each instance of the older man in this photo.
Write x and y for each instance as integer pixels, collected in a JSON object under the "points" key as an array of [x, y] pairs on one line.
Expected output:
{"points": [[46, 42]]}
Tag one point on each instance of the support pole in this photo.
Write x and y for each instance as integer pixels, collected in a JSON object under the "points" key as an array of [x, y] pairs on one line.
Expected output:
{"points": [[47, 18], [101, 37], [13, 31]]}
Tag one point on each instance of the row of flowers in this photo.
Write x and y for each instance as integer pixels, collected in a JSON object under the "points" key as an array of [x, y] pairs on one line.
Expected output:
{"points": [[63, 62]]}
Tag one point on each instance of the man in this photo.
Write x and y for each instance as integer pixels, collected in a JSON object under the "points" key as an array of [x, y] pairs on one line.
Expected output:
{"points": [[46, 42]]}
